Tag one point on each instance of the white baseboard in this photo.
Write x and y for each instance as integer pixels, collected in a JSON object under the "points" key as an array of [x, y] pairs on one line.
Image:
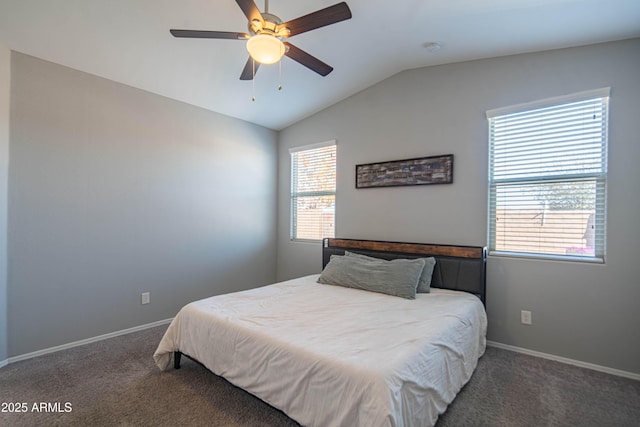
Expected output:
{"points": [[85, 341], [568, 361], [4, 363]]}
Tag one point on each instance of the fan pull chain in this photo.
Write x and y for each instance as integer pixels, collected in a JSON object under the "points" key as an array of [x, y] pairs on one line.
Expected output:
{"points": [[253, 80], [280, 74]]}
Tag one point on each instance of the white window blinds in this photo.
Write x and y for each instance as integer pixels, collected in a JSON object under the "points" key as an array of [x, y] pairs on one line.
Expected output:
{"points": [[547, 177], [313, 191]]}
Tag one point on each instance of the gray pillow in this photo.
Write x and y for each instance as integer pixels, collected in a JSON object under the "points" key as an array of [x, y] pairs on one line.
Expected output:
{"points": [[424, 286], [399, 278]]}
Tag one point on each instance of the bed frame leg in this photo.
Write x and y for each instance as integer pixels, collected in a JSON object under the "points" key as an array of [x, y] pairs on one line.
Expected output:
{"points": [[176, 359]]}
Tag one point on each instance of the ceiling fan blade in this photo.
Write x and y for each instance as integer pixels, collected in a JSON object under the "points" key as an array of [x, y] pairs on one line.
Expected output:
{"points": [[307, 60], [250, 10], [197, 34], [249, 69], [321, 18]]}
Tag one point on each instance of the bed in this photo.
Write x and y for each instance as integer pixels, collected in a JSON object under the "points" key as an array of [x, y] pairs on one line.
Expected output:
{"points": [[338, 356]]}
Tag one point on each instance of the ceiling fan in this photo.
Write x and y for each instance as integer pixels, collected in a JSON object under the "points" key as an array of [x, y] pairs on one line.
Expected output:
{"points": [[264, 42]]}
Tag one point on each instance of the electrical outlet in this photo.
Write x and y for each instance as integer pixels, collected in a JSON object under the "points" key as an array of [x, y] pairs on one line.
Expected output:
{"points": [[525, 317], [146, 297]]}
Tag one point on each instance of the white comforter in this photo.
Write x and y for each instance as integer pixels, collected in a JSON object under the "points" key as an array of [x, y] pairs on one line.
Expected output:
{"points": [[332, 356]]}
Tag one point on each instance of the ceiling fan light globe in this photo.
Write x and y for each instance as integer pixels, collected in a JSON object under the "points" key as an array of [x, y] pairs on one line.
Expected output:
{"points": [[265, 49]]}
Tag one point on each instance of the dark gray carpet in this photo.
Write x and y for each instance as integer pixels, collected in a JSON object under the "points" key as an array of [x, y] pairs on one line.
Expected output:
{"points": [[116, 383]]}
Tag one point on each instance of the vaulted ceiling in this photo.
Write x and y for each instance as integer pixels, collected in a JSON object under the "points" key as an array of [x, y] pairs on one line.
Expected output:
{"points": [[128, 41]]}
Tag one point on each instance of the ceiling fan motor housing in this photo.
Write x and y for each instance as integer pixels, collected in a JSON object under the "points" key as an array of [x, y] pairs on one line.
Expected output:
{"points": [[270, 25]]}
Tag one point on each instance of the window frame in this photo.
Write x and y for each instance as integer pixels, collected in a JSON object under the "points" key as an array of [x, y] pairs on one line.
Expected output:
{"points": [[293, 228], [598, 178]]}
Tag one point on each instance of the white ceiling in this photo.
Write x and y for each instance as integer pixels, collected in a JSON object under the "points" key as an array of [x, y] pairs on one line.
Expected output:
{"points": [[128, 41]]}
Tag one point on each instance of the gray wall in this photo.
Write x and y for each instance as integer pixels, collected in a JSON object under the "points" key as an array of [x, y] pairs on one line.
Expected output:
{"points": [[580, 311], [5, 80], [114, 191]]}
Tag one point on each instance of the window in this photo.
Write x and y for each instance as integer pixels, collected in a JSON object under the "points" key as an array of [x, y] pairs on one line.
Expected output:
{"points": [[313, 191], [548, 176]]}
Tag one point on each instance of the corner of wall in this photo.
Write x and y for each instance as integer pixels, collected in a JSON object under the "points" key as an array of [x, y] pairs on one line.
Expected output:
{"points": [[5, 77]]}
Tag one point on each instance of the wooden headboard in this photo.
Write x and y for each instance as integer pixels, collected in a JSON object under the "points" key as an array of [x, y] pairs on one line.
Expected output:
{"points": [[461, 268]]}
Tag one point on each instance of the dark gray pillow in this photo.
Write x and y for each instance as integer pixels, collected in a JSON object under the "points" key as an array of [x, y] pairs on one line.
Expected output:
{"points": [[399, 278], [424, 286]]}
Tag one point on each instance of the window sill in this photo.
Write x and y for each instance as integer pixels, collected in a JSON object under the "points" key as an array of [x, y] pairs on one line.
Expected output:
{"points": [[568, 258], [305, 240]]}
